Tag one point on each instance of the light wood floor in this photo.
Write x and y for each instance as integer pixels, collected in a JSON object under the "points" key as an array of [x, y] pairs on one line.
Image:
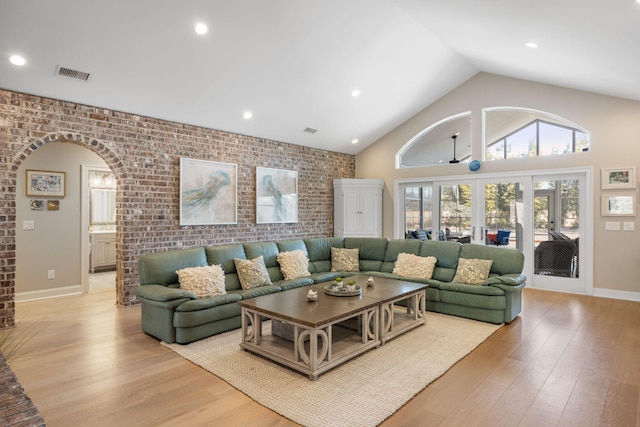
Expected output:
{"points": [[568, 360]]}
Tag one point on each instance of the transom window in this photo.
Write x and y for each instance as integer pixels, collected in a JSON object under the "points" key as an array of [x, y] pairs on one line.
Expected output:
{"points": [[513, 133]]}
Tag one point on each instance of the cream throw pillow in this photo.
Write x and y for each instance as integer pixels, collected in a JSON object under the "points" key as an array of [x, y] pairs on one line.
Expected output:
{"points": [[203, 281], [473, 271], [294, 264], [414, 266], [345, 259], [252, 273]]}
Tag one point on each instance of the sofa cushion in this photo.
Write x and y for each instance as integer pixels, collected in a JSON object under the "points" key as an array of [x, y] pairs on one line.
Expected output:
{"points": [[505, 260], [269, 252], [410, 265], [372, 251], [224, 255], [294, 264], [291, 245], [319, 250], [252, 273], [344, 259], [472, 271], [395, 247], [447, 254], [295, 283], [160, 268], [204, 282]]}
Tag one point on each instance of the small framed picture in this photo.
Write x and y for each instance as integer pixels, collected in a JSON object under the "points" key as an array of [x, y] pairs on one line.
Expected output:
{"points": [[619, 178], [46, 183], [620, 204], [37, 204], [53, 205]]}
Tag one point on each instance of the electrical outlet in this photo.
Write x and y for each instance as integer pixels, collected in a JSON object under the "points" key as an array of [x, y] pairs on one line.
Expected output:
{"points": [[628, 226], [51, 274]]}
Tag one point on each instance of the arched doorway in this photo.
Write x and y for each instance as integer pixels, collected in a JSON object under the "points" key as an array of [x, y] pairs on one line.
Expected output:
{"points": [[8, 222]]}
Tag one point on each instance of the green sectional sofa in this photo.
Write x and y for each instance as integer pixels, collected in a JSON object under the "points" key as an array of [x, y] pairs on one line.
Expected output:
{"points": [[173, 314]]}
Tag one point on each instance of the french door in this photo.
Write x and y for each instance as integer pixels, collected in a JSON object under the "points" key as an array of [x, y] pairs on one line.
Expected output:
{"points": [[544, 215]]}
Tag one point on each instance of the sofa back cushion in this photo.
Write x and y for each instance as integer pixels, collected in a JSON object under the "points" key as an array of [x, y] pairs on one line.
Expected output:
{"points": [[371, 250], [224, 255], [291, 245], [395, 247], [505, 260], [269, 252], [160, 268], [319, 250], [447, 254]]}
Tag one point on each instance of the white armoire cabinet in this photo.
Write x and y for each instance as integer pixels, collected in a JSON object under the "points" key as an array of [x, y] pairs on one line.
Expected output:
{"points": [[357, 207]]}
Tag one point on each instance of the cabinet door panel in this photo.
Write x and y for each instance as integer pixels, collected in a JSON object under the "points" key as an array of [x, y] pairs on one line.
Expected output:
{"points": [[352, 212]]}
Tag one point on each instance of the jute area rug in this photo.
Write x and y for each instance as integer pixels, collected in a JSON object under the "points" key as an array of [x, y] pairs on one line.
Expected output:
{"points": [[362, 392]]}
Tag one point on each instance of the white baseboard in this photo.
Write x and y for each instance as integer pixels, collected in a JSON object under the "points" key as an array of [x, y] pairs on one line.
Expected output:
{"points": [[48, 293], [612, 293]]}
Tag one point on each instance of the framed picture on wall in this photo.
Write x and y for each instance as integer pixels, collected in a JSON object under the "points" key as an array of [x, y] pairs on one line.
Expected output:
{"points": [[45, 183], [619, 204], [208, 192], [276, 195], [619, 178]]}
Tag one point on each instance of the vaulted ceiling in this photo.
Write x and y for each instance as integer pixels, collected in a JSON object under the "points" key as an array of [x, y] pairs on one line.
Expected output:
{"points": [[294, 64]]}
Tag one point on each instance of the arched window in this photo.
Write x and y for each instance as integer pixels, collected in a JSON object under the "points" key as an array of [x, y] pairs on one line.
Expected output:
{"points": [[512, 132], [435, 145]]}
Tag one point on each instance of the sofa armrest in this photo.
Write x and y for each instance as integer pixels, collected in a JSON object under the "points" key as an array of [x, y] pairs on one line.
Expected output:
{"points": [[162, 293], [506, 279]]}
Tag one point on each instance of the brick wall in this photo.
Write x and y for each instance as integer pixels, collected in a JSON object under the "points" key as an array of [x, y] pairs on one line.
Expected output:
{"points": [[144, 154]]}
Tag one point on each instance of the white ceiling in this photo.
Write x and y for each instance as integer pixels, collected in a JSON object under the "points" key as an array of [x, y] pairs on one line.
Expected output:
{"points": [[294, 63]]}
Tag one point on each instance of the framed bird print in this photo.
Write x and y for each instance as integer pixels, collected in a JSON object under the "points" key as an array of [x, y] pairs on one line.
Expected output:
{"points": [[208, 192], [276, 195]]}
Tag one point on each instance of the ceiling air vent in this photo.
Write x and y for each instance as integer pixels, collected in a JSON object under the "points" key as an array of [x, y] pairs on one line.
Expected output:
{"points": [[72, 74], [310, 130]]}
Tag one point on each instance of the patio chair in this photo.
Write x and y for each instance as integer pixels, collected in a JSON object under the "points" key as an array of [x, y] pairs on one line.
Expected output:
{"points": [[503, 237], [555, 258]]}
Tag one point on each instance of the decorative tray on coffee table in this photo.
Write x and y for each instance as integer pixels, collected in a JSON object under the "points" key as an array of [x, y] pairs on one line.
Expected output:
{"points": [[342, 292]]}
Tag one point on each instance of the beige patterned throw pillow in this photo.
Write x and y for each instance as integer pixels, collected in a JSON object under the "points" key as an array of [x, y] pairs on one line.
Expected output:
{"points": [[203, 281], [252, 273], [473, 271], [294, 264], [414, 266], [345, 259]]}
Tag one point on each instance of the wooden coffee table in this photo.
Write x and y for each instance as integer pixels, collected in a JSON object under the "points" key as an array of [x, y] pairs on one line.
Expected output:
{"points": [[323, 334]]}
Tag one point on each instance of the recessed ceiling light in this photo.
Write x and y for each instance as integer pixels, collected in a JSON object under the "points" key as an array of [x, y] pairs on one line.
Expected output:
{"points": [[17, 60], [532, 45], [356, 92], [354, 141], [201, 28], [247, 114]]}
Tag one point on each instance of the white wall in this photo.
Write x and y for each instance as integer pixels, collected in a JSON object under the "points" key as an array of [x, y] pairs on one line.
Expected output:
{"points": [[614, 124], [55, 242]]}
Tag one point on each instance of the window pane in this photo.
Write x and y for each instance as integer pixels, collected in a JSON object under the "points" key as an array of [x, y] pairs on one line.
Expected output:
{"points": [[555, 140], [582, 141], [569, 216], [434, 145], [522, 143], [412, 208], [455, 210], [426, 208], [496, 151]]}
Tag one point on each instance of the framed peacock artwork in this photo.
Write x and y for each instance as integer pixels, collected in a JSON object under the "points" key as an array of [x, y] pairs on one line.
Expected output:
{"points": [[208, 192], [276, 195]]}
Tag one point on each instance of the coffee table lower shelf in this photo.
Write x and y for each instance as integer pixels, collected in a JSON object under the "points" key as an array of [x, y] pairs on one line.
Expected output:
{"points": [[314, 350]]}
